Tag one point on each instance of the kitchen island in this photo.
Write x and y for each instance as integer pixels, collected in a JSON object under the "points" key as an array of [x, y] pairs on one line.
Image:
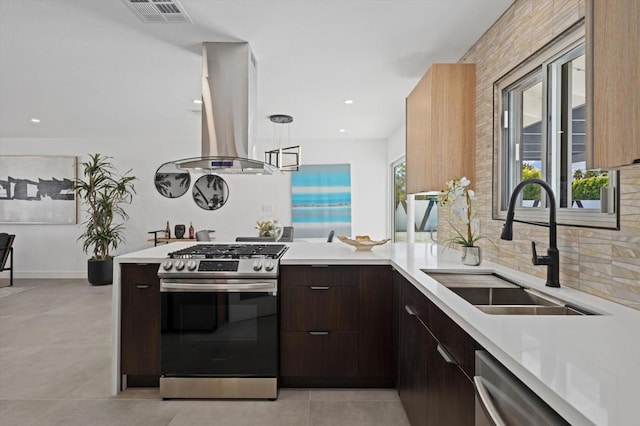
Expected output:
{"points": [[585, 367]]}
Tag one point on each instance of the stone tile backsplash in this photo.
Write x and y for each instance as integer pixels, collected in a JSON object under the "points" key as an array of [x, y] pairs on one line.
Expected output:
{"points": [[605, 263]]}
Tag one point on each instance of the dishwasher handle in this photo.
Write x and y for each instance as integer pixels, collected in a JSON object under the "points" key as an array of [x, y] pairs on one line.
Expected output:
{"points": [[486, 402]]}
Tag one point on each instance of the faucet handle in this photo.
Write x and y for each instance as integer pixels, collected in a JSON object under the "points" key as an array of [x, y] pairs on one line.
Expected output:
{"points": [[538, 260]]}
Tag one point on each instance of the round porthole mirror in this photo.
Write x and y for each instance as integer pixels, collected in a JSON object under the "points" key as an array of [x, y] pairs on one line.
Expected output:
{"points": [[171, 181], [210, 192]]}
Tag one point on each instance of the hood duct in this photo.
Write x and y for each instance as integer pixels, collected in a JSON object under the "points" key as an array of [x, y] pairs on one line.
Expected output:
{"points": [[229, 102], [228, 99]]}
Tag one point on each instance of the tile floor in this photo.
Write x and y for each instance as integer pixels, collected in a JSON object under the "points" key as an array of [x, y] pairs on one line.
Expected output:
{"points": [[55, 360]]}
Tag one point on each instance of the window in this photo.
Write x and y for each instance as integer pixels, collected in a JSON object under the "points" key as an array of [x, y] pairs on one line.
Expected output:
{"points": [[542, 134], [425, 209]]}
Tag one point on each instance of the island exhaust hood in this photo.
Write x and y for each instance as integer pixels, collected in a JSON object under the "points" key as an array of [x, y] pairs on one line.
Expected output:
{"points": [[229, 102]]}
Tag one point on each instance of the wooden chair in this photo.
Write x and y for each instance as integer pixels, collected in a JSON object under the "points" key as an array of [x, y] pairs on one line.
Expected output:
{"points": [[6, 252]]}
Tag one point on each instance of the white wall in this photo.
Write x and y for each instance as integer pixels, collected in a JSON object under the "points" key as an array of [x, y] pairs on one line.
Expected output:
{"points": [[52, 251], [396, 146], [369, 177]]}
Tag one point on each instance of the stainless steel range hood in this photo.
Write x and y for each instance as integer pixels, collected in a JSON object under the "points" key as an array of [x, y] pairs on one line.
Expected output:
{"points": [[229, 102], [228, 99]]}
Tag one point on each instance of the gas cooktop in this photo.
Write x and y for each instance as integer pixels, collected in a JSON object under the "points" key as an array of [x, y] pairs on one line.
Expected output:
{"points": [[230, 251]]}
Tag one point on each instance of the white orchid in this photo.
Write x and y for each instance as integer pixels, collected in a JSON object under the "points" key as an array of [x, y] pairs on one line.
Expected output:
{"points": [[459, 197]]}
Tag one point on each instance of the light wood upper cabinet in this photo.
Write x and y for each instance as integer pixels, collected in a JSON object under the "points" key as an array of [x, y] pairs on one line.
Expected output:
{"points": [[441, 127], [613, 41]]}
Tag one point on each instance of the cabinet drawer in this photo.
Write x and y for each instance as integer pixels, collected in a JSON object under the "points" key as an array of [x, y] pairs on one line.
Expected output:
{"points": [[330, 354], [321, 275], [455, 340], [324, 308], [139, 274], [414, 300]]}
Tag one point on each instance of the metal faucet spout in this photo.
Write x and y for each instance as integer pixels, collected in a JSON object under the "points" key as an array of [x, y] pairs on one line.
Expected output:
{"points": [[552, 259]]}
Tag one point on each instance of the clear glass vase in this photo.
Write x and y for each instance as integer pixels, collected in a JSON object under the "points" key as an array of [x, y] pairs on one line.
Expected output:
{"points": [[471, 256]]}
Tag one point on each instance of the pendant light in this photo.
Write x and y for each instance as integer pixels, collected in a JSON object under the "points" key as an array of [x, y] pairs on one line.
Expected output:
{"points": [[286, 159]]}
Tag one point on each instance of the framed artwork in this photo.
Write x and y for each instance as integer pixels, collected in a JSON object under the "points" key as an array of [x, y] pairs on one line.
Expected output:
{"points": [[38, 189], [321, 200]]}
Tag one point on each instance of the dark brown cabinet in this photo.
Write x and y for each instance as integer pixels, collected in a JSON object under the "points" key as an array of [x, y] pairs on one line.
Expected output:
{"points": [[434, 373], [140, 323], [412, 366], [335, 325], [319, 308]]}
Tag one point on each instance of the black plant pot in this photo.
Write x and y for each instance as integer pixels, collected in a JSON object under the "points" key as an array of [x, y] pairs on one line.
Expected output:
{"points": [[100, 272]]}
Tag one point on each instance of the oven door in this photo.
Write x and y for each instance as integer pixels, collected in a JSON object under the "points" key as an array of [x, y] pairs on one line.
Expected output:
{"points": [[219, 330]]}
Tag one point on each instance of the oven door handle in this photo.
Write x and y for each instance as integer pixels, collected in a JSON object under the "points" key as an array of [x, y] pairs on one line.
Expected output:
{"points": [[176, 286]]}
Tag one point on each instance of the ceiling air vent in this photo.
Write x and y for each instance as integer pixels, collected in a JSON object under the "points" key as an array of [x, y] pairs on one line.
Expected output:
{"points": [[159, 10]]}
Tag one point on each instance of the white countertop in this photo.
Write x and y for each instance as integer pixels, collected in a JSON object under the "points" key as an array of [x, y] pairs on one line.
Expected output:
{"points": [[586, 367]]}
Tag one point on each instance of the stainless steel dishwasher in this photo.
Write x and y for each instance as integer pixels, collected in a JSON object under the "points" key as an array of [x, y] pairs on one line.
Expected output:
{"points": [[503, 400]]}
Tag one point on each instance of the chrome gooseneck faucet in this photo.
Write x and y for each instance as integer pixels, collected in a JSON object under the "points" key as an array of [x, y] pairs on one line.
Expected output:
{"points": [[552, 259]]}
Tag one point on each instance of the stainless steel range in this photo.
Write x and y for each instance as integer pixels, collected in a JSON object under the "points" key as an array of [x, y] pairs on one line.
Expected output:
{"points": [[219, 331]]}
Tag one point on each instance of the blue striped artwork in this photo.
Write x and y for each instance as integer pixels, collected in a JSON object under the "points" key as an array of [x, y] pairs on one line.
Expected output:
{"points": [[321, 200]]}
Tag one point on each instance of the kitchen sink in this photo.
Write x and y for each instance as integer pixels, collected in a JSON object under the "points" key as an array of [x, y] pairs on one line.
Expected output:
{"points": [[493, 294], [501, 296], [529, 310]]}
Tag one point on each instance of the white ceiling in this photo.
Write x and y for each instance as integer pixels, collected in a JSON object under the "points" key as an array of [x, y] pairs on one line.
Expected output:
{"points": [[91, 68]]}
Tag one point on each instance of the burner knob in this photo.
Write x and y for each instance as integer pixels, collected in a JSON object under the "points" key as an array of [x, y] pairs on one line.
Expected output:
{"points": [[257, 265], [179, 265], [191, 265], [269, 265], [167, 265]]}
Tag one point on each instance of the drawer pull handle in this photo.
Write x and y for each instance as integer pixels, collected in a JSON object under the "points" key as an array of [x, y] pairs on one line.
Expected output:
{"points": [[410, 310], [319, 287], [141, 286], [446, 355], [318, 333]]}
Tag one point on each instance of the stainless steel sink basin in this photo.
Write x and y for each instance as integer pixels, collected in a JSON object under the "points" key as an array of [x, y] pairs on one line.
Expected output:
{"points": [[501, 296], [494, 294], [529, 310]]}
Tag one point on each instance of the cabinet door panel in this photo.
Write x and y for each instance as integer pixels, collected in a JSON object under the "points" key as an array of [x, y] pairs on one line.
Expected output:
{"points": [[323, 309], [376, 294], [434, 391], [412, 371], [140, 320], [334, 354], [457, 342], [450, 394], [613, 46], [321, 275], [440, 127]]}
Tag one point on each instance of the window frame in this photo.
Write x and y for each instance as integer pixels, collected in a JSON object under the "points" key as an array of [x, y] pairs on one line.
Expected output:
{"points": [[537, 66]]}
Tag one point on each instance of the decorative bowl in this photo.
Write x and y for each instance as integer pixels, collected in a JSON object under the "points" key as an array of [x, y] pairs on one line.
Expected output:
{"points": [[362, 242]]}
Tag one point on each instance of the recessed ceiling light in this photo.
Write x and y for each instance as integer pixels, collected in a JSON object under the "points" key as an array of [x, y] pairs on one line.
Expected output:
{"points": [[342, 130], [348, 101], [197, 101], [35, 120]]}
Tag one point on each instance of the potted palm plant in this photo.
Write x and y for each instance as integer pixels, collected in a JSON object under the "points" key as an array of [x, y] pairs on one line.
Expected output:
{"points": [[103, 192]]}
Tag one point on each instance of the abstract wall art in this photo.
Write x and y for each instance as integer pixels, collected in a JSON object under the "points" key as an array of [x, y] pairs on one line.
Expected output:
{"points": [[38, 189], [321, 200]]}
